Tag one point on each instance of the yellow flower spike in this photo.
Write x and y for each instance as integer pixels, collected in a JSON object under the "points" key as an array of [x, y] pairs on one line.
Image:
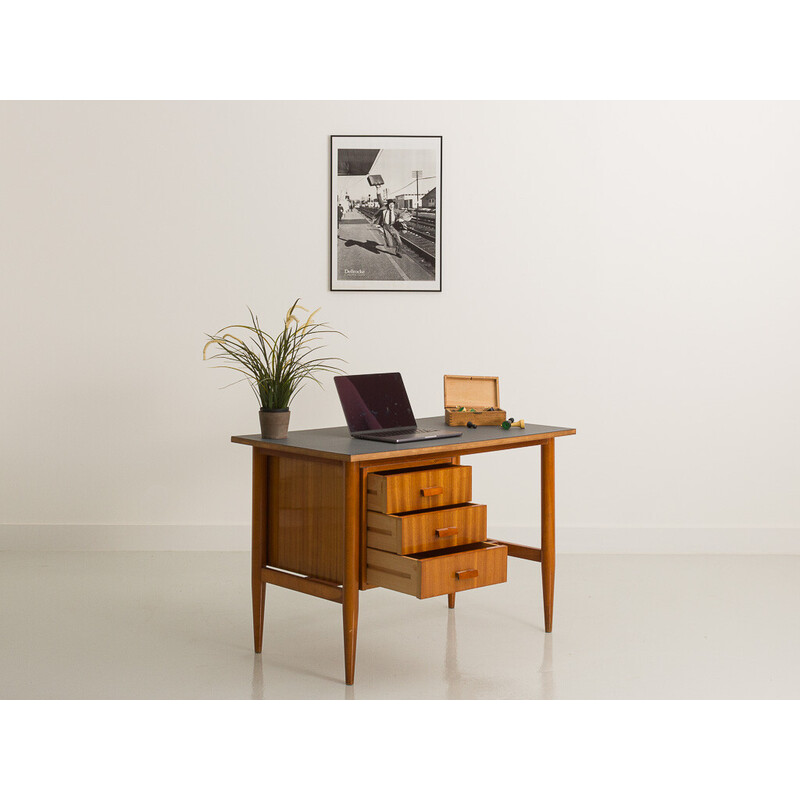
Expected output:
{"points": [[208, 344], [290, 316], [231, 336], [221, 341], [310, 317]]}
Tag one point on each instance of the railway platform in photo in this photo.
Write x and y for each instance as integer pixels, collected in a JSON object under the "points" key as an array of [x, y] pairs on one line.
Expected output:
{"points": [[362, 253]]}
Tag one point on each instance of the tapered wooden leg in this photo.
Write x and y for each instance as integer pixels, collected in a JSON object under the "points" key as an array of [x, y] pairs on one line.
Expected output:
{"points": [[259, 549], [451, 600], [351, 556], [548, 531]]}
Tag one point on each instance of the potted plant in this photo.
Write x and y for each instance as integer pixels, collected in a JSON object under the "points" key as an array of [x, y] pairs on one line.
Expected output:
{"points": [[276, 367]]}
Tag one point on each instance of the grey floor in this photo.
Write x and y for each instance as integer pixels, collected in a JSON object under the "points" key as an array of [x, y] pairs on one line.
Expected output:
{"points": [[177, 625]]}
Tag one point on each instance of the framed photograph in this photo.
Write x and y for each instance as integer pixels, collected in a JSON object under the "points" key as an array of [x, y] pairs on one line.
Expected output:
{"points": [[386, 213]]}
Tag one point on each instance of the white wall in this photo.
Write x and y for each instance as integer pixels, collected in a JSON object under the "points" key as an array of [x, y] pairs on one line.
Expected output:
{"points": [[635, 276]]}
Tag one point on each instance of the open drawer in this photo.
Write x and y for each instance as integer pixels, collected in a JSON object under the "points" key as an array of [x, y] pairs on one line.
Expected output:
{"points": [[418, 531], [438, 572]]}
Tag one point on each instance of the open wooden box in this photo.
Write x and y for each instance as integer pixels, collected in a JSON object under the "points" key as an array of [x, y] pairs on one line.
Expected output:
{"points": [[472, 392]]}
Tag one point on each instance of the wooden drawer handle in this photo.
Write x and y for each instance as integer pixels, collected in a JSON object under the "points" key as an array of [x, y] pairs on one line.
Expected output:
{"points": [[463, 574], [432, 490], [444, 532]]}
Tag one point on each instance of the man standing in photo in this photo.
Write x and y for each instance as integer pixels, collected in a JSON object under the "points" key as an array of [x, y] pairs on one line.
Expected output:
{"points": [[386, 220]]}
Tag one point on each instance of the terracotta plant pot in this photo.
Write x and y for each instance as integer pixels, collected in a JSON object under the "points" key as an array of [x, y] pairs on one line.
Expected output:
{"points": [[274, 423]]}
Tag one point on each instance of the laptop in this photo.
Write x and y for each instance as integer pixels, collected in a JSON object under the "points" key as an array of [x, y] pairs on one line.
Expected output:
{"points": [[376, 407]]}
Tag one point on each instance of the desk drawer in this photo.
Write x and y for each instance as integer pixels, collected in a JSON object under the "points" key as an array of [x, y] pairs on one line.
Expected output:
{"points": [[433, 574], [396, 491], [418, 531]]}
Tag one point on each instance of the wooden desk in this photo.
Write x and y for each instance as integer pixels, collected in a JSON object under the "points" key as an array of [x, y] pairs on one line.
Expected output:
{"points": [[309, 517]]}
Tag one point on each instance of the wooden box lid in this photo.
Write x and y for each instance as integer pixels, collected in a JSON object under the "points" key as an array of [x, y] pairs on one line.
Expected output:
{"points": [[471, 391]]}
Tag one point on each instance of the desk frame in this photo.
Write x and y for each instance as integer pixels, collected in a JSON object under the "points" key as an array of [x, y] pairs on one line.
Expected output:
{"points": [[352, 483]]}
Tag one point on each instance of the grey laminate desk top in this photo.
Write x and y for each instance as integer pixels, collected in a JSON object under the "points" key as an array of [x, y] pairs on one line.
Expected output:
{"points": [[337, 444]]}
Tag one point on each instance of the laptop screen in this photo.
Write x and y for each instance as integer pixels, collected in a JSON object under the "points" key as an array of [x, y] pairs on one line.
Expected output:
{"points": [[374, 402]]}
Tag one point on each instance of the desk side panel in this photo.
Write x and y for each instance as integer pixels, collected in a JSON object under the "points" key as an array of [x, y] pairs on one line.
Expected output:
{"points": [[306, 530]]}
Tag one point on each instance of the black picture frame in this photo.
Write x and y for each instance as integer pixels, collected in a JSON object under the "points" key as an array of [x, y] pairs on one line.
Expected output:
{"points": [[367, 172]]}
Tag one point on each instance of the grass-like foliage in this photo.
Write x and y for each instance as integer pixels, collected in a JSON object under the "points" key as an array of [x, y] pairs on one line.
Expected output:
{"points": [[275, 366]]}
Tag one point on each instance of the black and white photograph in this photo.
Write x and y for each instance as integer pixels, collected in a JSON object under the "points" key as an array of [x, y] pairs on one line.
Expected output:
{"points": [[386, 213]]}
